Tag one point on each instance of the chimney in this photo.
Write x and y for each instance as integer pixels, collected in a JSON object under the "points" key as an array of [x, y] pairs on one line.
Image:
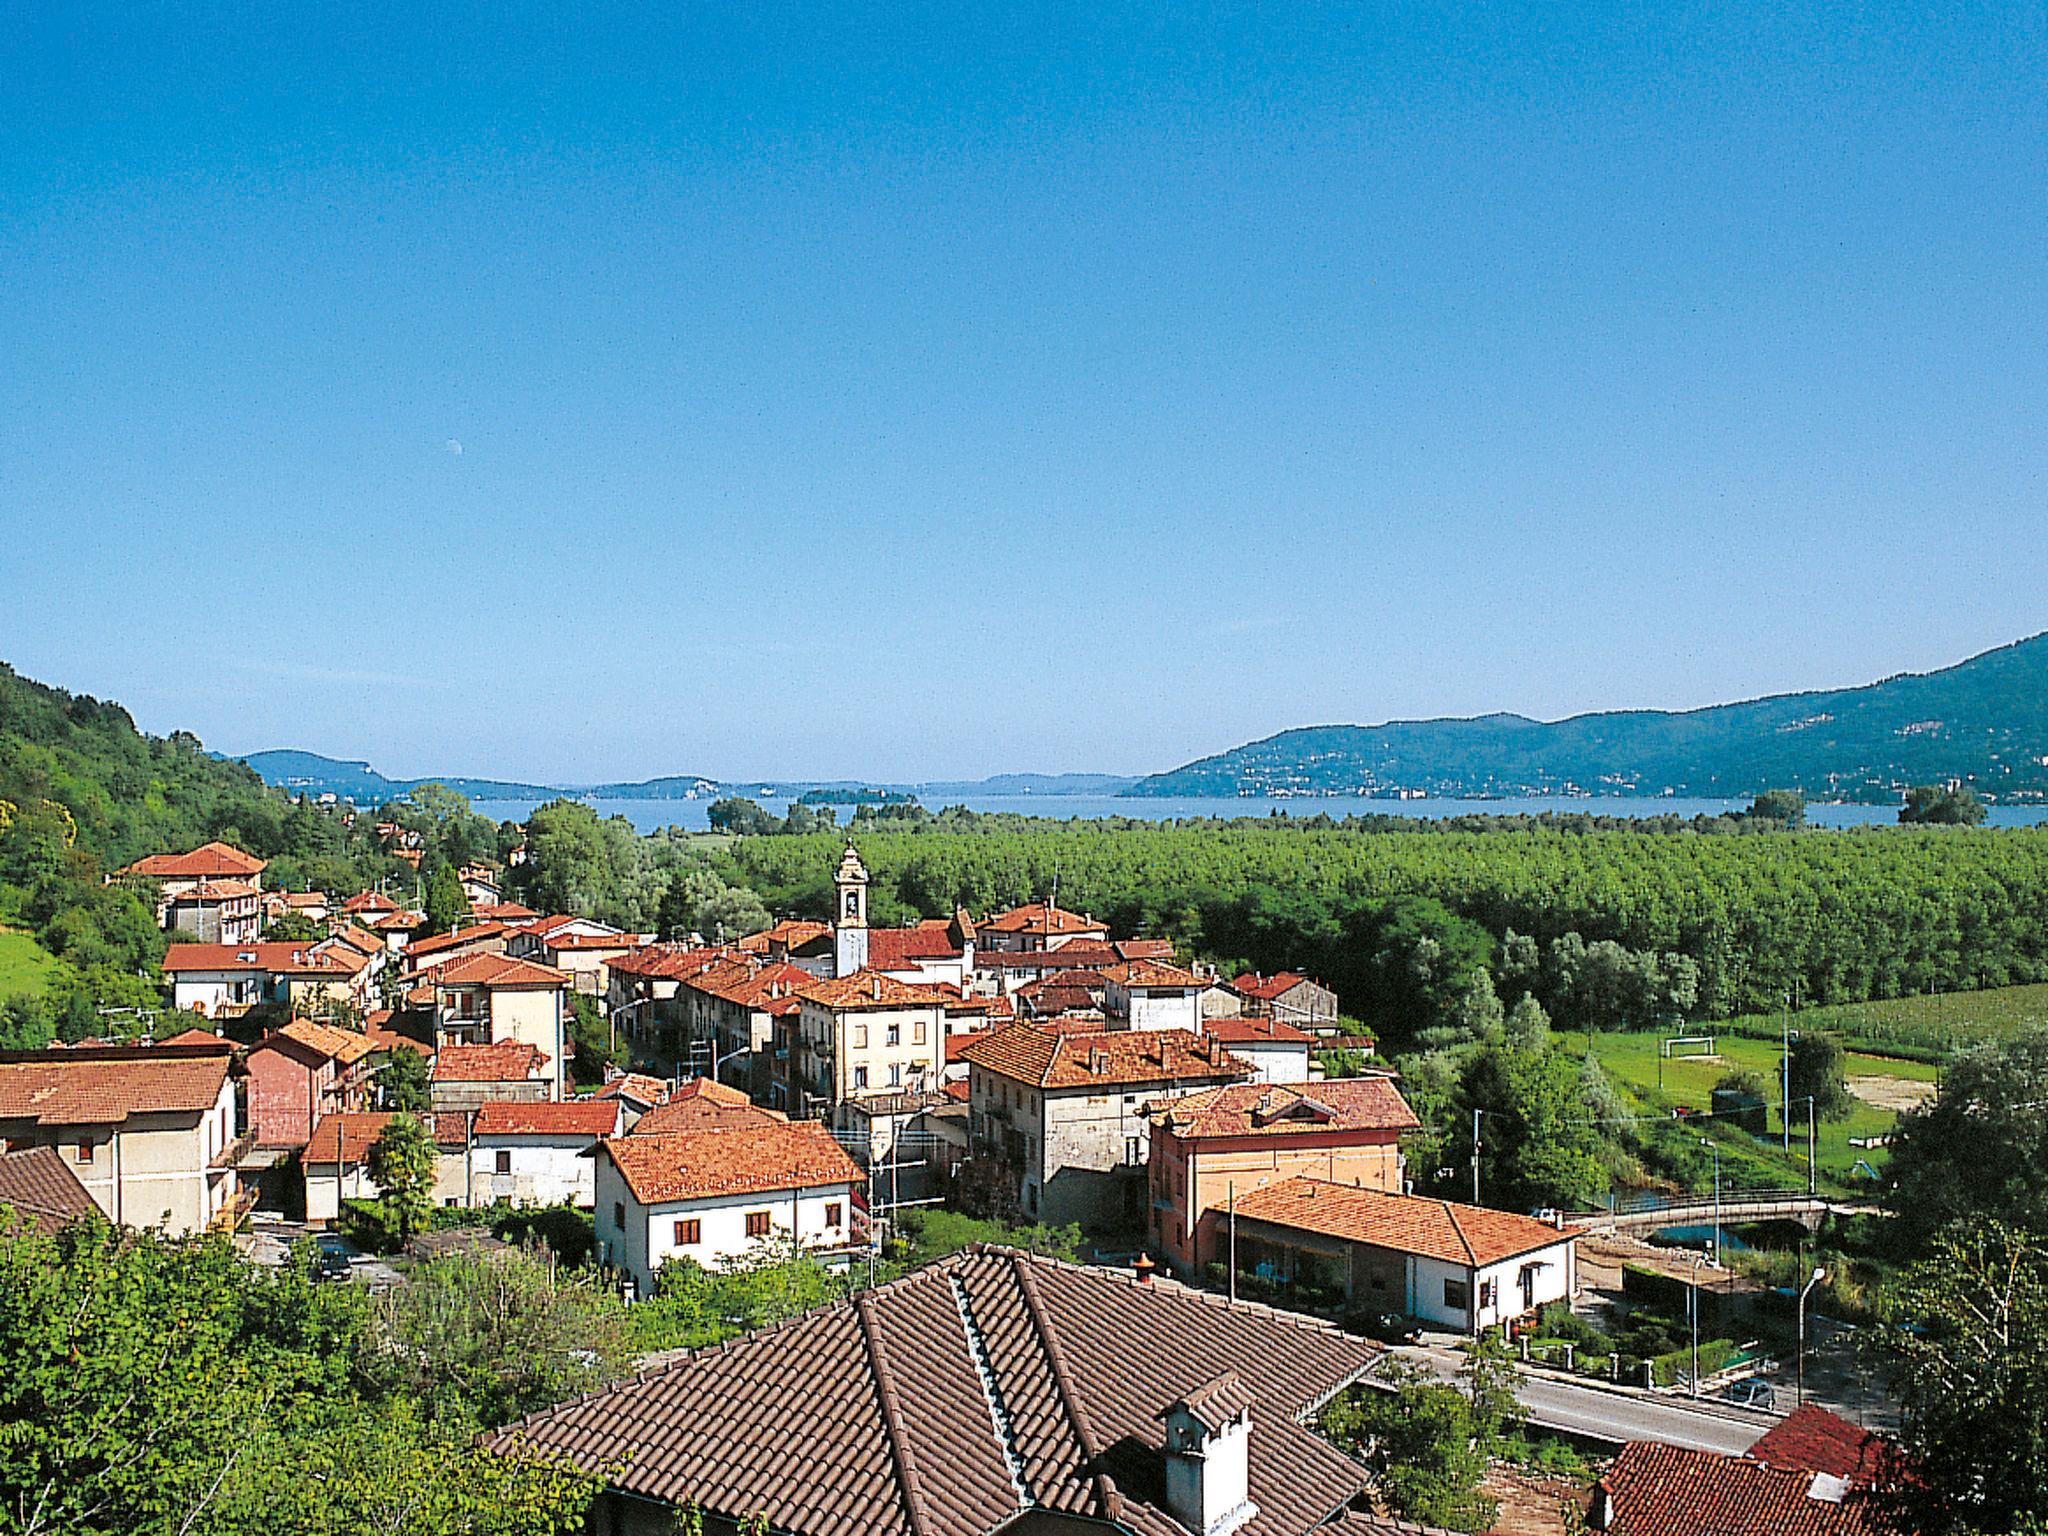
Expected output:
{"points": [[1207, 1452]]}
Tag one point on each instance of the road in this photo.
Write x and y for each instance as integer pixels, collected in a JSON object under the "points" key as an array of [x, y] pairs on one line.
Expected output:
{"points": [[1619, 1416]]}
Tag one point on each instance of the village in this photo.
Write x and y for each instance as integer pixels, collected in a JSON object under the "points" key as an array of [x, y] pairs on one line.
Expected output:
{"points": [[1255, 1243]]}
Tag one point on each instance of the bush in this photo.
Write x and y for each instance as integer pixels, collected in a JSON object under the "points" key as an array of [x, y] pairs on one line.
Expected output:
{"points": [[370, 1225], [1666, 1368]]}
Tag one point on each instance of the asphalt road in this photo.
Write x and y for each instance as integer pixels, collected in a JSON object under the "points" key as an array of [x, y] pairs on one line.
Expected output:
{"points": [[1619, 1416]]}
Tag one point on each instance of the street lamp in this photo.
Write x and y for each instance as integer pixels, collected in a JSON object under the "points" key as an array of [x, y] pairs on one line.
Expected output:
{"points": [[1714, 1147], [1819, 1274], [1698, 1259]]}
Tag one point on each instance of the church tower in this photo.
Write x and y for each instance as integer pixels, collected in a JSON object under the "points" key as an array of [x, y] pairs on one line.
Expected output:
{"points": [[849, 914]]}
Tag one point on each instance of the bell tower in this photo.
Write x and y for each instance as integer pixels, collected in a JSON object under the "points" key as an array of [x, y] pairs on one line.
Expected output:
{"points": [[849, 914]]}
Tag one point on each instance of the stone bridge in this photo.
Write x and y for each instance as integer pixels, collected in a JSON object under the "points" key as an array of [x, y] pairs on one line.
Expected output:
{"points": [[1649, 1212]]}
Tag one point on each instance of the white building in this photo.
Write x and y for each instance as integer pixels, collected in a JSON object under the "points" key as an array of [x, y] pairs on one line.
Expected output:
{"points": [[712, 1196], [1274, 1049], [1150, 994], [537, 1153]]}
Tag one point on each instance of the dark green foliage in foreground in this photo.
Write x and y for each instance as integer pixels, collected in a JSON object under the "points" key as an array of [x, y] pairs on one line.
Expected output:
{"points": [[1940, 805], [1979, 1148]]}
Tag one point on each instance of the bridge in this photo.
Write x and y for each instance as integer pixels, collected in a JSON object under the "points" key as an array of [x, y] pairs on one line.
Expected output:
{"points": [[1636, 1213]]}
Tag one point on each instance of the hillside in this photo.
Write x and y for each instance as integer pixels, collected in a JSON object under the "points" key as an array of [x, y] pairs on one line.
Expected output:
{"points": [[1984, 720], [310, 773]]}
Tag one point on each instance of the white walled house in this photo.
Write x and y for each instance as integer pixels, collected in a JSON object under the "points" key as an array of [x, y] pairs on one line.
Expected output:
{"points": [[1462, 1267], [1150, 994], [335, 1164], [537, 1153], [711, 1196], [1273, 1048]]}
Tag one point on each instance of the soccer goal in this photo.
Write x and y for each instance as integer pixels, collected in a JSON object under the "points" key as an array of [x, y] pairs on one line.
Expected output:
{"points": [[1688, 1045]]}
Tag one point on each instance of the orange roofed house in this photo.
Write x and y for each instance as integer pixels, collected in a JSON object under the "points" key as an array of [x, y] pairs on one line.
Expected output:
{"points": [[177, 874], [1210, 1145], [300, 1073], [497, 1000], [1059, 1119], [713, 1195], [1290, 998], [1451, 1266]]}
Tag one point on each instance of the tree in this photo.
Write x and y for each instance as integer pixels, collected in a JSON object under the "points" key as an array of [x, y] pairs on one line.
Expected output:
{"points": [[1978, 1148], [1538, 1146], [736, 815], [1787, 807], [1819, 1068], [403, 1083], [401, 1164], [1967, 1355], [447, 902], [1742, 1098], [1942, 805]]}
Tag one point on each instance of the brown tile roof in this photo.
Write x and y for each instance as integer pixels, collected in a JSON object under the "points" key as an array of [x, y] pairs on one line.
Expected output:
{"points": [[898, 949], [871, 1417], [412, 1030], [277, 958], [1143, 974], [359, 938], [1216, 1402], [1040, 917], [1045, 1058], [1811, 1439], [869, 989], [702, 1114], [568, 1117], [790, 933], [197, 1036], [455, 938], [671, 962], [618, 941], [1255, 1032], [342, 1045], [503, 912], [637, 1088], [1252, 984], [768, 986], [209, 861], [1662, 1490], [104, 1085], [347, 1137], [1287, 1109], [1469, 1235], [42, 1190], [509, 1061], [498, 971], [216, 890], [734, 1160], [369, 901]]}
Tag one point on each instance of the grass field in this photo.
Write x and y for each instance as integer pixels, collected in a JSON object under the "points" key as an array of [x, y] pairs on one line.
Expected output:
{"points": [[24, 964], [1931, 1027]]}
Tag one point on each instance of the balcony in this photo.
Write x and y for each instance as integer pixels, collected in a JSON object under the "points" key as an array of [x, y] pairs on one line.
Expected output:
{"points": [[233, 1153]]}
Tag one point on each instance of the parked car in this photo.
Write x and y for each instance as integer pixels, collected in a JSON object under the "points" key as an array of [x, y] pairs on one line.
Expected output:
{"points": [[332, 1257], [1749, 1393], [1386, 1327]]}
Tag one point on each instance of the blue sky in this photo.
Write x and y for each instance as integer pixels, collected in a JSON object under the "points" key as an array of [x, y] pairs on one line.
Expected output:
{"points": [[576, 393]]}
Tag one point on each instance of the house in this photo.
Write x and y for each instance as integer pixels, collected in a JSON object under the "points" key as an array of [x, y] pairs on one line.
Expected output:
{"points": [[699, 1104], [313, 906], [536, 1153], [495, 1000], [1273, 1048], [1062, 993], [1152, 994], [176, 873], [1004, 971], [1061, 1118], [475, 939], [580, 947], [227, 980], [480, 885], [215, 912], [149, 1131], [1290, 997], [729, 1013], [1447, 1265], [39, 1192], [937, 951], [367, 907], [643, 993], [335, 1162], [1037, 926], [1212, 1147], [862, 1034], [510, 913], [636, 1094], [987, 1392], [301, 1073], [465, 1077], [712, 1196], [1813, 1475]]}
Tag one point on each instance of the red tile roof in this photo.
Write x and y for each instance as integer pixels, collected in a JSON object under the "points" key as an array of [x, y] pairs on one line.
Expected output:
{"points": [[509, 1061], [104, 1085], [1283, 1110], [1811, 1439], [670, 962], [1251, 984], [1662, 1490], [503, 912], [197, 1036], [277, 959], [1123, 1058], [790, 933], [1141, 975], [868, 990], [1468, 1235], [210, 861], [593, 1118], [455, 938], [369, 901], [216, 890], [899, 949], [324, 1041], [493, 972], [740, 1160], [1256, 1032], [345, 1137], [1040, 917], [699, 1112], [386, 1031], [41, 1189], [768, 986], [636, 1087]]}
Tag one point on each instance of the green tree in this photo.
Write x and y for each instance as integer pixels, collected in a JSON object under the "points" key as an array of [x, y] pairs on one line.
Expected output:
{"points": [[1786, 807], [401, 1164], [1967, 1356], [1819, 1067], [736, 815], [1538, 1146], [1942, 805], [447, 902], [1978, 1148], [403, 1082]]}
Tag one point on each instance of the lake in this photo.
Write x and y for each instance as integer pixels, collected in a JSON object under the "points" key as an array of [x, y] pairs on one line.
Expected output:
{"points": [[649, 815]]}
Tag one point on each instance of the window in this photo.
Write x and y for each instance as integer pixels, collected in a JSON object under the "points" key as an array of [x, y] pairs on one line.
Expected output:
{"points": [[917, 1033], [832, 1213], [1457, 1295], [1489, 1293], [619, 1214], [860, 1037], [757, 1223], [689, 1233], [860, 1077], [895, 1036], [84, 1151], [1131, 1149], [895, 1074], [502, 1163]]}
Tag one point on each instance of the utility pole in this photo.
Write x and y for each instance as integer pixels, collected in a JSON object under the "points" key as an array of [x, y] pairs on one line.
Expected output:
{"points": [[1232, 1188], [1812, 1166], [1785, 1068], [1714, 1147], [1475, 1154]]}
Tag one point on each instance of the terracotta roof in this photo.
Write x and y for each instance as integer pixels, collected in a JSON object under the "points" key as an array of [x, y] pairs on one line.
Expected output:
{"points": [[411, 1030], [593, 1118], [734, 1160], [790, 933], [878, 1416], [342, 1045], [702, 1105], [618, 941], [898, 949], [1152, 974], [1047, 1058], [637, 1088], [1251, 984], [104, 1085], [1662, 1490], [503, 912], [369, 901], [770, 986], [455, 938], [1040, 917], [393, 922], [1287, 1109], [359, 938], [1143, 949], [1468, 1235], [206, 862], [956, 1091], [1215, 1402], [42, 1189], [1811, 1439], [669, 961], [197, 1036], [498, 971], [346, 1137], [509, 1061], [216, 890], [304, 898], [1255, 1032], [870, 989], [1080, 954], [276, 958], [560, 922]]}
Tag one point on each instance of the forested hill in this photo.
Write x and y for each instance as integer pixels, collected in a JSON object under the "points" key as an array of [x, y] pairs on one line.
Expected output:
{"points": [[1984, 721], [311, 774]]}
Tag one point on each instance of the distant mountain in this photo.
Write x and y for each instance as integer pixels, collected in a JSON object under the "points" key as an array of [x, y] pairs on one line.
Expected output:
{"points": [[1984, 721], [1027, 784], [311, 774]]}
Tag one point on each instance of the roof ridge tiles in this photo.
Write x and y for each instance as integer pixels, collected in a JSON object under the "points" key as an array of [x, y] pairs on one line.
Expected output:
{"points": [[1109, 1503], [915, 1505]]}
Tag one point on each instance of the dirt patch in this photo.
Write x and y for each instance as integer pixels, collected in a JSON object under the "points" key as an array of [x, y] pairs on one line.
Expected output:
{"points": [[1602, 1255], [1532, 1504], [1893, 1093]]}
